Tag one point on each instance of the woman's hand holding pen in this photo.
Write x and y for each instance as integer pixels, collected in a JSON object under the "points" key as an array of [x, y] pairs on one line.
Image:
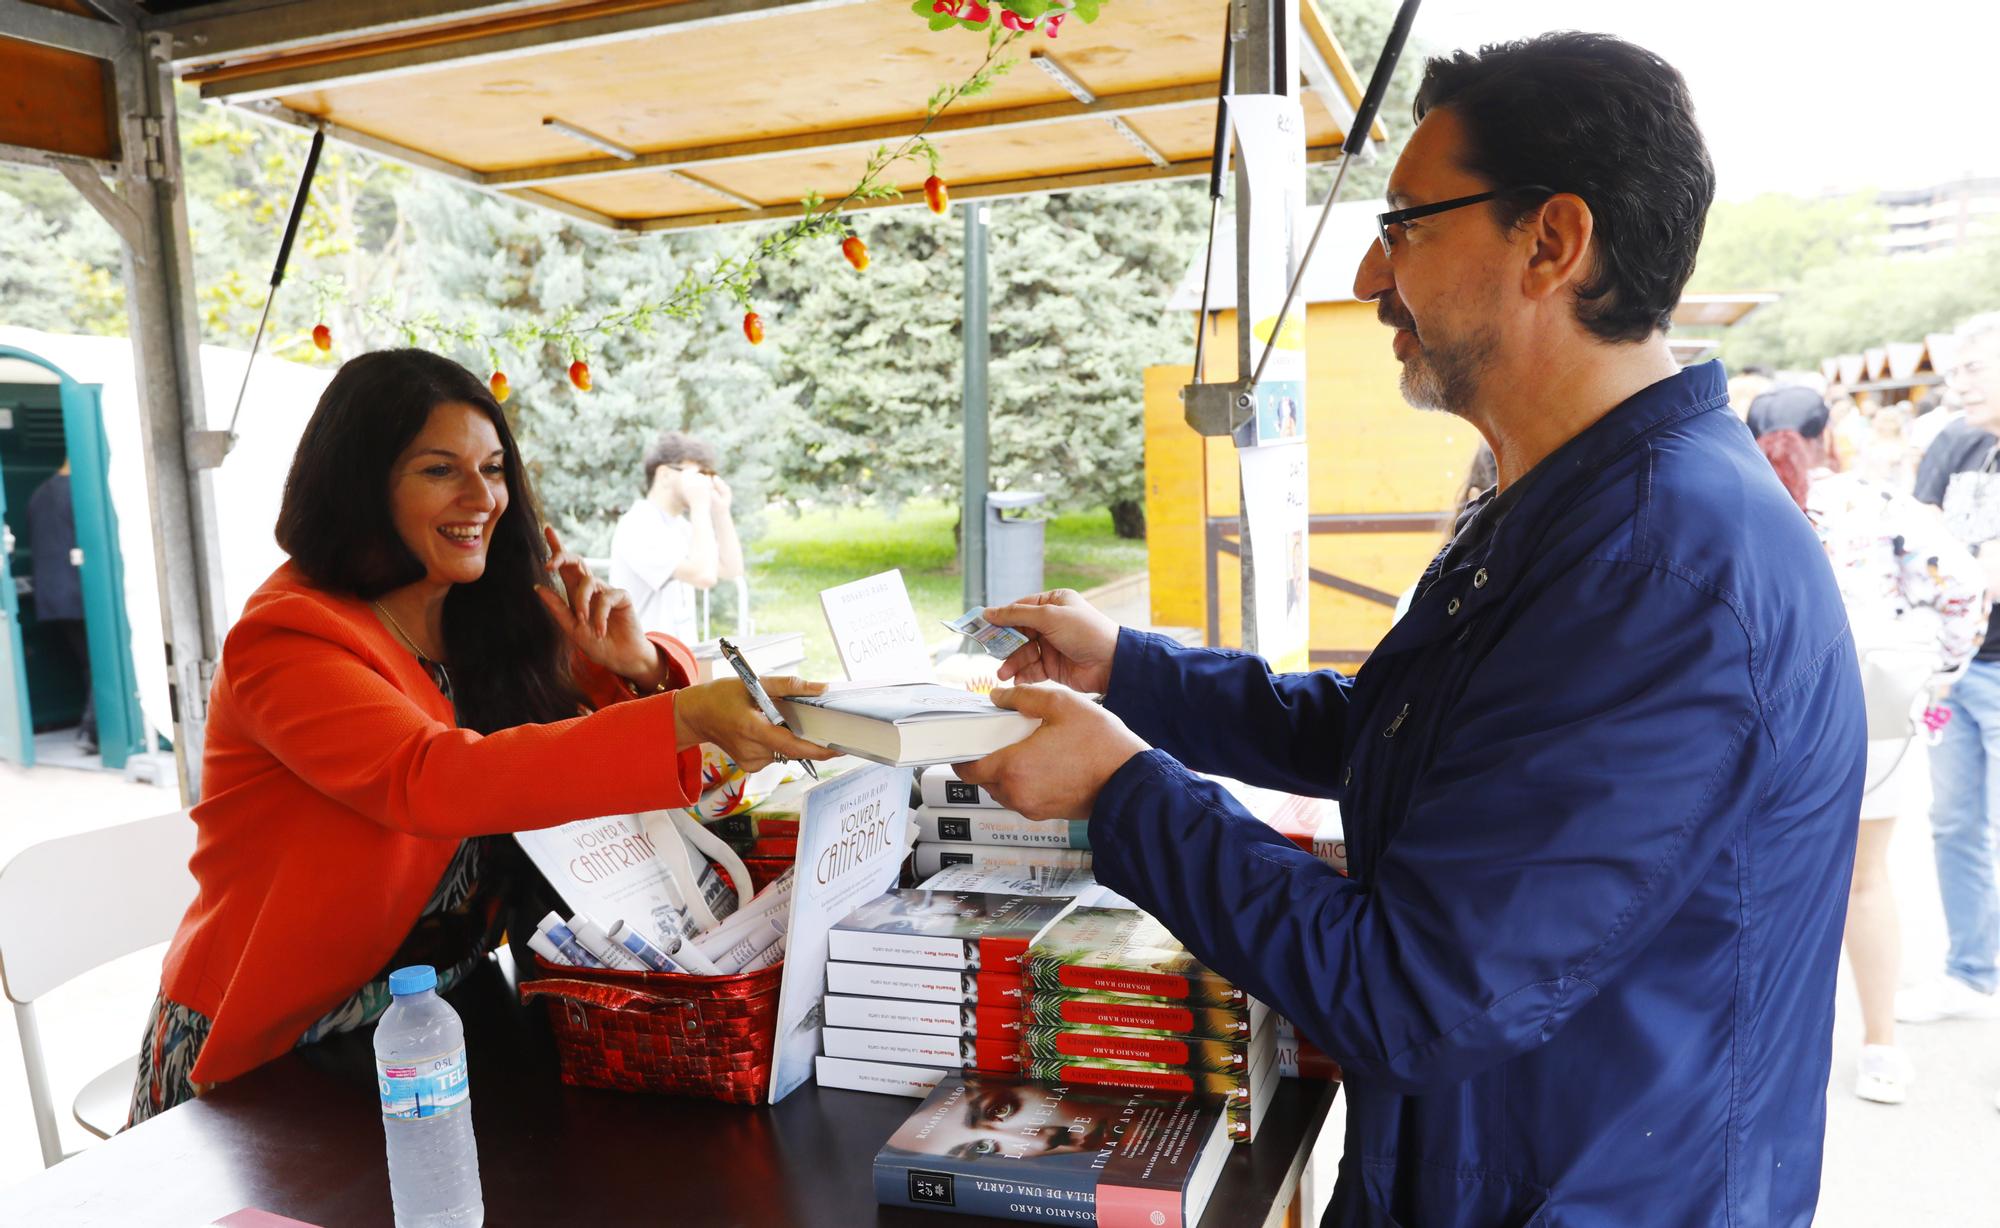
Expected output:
{"points": [[722, 712]]}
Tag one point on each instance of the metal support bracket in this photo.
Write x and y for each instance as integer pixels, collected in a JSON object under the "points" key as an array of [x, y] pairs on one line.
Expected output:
{"points": [[110, 206], [206, 449], [1218, 408]]}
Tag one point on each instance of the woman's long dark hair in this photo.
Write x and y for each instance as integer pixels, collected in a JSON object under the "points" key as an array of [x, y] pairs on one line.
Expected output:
{"points": [[509, 662]]}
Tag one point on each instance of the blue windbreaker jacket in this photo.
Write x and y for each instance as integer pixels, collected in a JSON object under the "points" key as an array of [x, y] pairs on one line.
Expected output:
{"points": [[1600, 787]]}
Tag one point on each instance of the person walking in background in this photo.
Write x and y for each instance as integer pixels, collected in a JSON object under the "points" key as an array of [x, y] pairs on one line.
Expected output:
{"points": [[59, 585], [1965, 767], [1917, 602], [678, 538], [1965, 764]]}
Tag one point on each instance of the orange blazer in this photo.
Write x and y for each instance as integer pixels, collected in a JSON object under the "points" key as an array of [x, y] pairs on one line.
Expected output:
{"points": [[336, 789]]}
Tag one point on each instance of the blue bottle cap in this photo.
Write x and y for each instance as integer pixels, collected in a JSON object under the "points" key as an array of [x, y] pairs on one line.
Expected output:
{"points": [[414, 979]]}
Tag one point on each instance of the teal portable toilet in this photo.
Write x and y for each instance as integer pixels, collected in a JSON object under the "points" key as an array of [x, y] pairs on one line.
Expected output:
{"points": [[46, 415]]}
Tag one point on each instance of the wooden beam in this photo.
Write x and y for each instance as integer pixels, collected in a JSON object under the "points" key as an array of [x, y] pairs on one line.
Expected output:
{"points": [[247, 29], [273, 113], [868, 134], [62, 31], [26, 155], [1320, 44], [1073, 181], [489, 42]]}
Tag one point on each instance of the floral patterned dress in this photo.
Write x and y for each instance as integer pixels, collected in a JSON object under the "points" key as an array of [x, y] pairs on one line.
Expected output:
{"points": [[1899, 571]]}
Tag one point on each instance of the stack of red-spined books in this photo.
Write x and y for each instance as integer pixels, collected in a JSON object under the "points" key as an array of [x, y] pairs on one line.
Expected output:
{"points": [[1115, 1000], [922, 982]]}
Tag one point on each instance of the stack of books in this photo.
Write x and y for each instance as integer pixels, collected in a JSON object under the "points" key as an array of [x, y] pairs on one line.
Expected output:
{"points": [[1114, 1000], [961, 824], [770, 828], [921, 983]]}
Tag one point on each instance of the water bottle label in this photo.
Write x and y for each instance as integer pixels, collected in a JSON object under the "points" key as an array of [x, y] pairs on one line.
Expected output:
{"points": [[430, 1088]]}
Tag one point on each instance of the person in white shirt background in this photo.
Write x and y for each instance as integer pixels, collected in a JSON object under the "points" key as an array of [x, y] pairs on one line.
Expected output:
{"points": [[678, 538]]}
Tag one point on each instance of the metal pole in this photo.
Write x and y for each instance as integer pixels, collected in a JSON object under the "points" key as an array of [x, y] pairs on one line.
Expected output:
{"points": [[972, 513], [166, 351], [1266, 63]]}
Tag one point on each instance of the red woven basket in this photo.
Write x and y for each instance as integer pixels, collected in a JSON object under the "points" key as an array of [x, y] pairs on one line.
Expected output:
{"points": [[708, 1036]]}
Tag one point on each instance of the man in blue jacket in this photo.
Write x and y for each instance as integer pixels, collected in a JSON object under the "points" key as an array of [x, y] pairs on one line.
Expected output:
{"points": [[1600, 783]]}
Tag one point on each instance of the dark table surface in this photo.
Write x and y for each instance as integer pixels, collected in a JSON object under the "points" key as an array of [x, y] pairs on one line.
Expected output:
{"points": [[302, 1137]]}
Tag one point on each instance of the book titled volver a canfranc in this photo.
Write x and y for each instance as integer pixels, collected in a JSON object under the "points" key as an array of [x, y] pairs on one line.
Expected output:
{"points": [[1041, 1152]]}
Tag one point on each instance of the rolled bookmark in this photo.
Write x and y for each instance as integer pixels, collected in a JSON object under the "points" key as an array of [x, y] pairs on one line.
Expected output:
{"points": [[557, 933], [623, 935]]}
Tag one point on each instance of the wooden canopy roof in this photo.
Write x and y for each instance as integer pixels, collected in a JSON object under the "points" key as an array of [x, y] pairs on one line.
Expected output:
{"points": [[731, 110]]}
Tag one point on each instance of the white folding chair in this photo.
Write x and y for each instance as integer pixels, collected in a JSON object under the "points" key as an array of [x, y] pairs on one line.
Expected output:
{"points": [[76, 903]]}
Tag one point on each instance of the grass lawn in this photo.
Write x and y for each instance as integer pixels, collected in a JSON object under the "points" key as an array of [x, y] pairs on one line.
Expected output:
{"points": [[795, 559]]}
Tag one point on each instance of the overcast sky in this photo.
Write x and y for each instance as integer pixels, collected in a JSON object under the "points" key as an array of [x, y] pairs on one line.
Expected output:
{"points": [[1795, 97]]}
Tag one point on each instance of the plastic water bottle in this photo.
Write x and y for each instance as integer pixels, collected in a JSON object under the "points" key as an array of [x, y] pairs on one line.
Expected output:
{"points": [[427, 1106]]}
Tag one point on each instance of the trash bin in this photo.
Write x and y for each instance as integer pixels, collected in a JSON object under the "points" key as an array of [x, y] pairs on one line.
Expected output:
{"points": [[1013, 545]]}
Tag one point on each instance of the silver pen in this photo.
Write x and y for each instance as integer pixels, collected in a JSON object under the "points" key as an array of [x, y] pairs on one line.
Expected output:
{"points": [[756, 689]]}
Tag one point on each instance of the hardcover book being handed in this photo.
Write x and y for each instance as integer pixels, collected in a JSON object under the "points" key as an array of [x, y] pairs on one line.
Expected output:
{"points": [[916, 927], [986, 1145], [905, 724], [1122, 951]]}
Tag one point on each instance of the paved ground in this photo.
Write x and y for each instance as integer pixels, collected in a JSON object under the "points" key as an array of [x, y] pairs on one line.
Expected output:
{"points": [[1933, 1162]]}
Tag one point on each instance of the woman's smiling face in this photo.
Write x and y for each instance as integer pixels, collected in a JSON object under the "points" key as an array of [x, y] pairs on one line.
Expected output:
{"points": [[448, 490]]}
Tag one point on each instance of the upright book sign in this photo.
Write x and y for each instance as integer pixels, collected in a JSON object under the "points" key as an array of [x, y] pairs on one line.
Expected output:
{"points": [[853, 835], [875, 630]]}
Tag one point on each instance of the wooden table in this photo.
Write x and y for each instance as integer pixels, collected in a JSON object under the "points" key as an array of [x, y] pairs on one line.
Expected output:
{"points": [[302, 1137]]}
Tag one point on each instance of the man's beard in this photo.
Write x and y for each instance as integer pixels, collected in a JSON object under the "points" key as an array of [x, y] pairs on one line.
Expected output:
{"points": [[1443, 373], [1446, 374]]}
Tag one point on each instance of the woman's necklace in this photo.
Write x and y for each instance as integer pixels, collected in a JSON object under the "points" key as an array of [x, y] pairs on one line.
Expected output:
{"points": [[435, 669], [402, 634]]}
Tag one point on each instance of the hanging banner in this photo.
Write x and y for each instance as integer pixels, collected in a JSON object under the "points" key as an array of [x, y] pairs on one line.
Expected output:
{"points": [[1274, 515], [1271, 146]]}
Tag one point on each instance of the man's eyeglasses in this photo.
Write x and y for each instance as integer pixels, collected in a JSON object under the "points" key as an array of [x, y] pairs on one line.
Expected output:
{"points": [[1397, 217]]}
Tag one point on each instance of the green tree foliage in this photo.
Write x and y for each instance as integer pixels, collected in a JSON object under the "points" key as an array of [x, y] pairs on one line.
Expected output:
{"points": [[1362, 26], [59, 264], [1773, 241], [489, 262], [1840, 292], [855, 397], [1849, 305], [1078, 284]]}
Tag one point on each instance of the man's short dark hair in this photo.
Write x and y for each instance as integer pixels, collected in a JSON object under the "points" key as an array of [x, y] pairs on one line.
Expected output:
{"points": [[678, 448], [1608, 121]]}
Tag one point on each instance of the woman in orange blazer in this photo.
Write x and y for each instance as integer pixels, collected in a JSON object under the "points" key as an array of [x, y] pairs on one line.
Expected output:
{"points": [[404, 691]]}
